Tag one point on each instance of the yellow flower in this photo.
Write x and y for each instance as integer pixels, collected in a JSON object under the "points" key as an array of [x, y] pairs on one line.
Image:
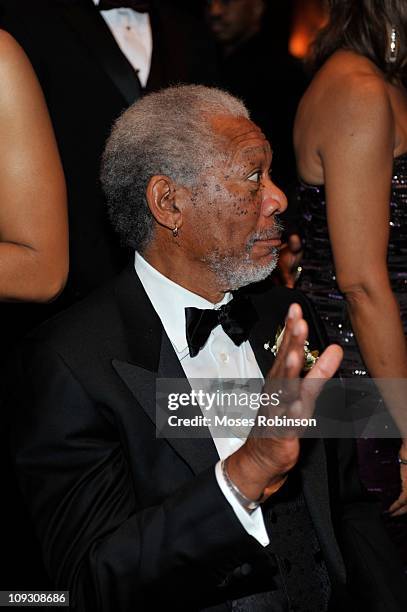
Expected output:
{"points": [[310, 356]]}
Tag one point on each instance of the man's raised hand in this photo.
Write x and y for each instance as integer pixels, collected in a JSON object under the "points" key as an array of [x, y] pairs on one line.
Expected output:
{"points": [[260, 466]]}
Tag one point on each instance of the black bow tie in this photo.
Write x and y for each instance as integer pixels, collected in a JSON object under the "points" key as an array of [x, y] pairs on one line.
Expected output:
{"points": [[141, 6], [237, 318]]}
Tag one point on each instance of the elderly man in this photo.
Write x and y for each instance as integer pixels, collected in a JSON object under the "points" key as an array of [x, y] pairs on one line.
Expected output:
{"points": [[132, 521]]}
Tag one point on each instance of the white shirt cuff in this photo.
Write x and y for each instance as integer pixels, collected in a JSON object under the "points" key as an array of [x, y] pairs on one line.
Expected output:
{"points": [[253, 523]]}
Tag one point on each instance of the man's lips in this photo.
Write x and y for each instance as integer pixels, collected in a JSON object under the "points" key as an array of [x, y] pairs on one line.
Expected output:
{"points": [[268, 242], [217, 26]]}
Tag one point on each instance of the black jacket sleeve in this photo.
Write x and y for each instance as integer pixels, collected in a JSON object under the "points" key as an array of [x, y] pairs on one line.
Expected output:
{"points": [[99, 539]]}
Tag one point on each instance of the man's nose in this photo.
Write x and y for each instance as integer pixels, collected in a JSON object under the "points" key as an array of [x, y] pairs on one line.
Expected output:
{"points": [[215, 8], [274, 200]]}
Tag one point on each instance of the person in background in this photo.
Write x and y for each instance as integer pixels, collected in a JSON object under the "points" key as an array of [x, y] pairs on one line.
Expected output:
{"points": [[93, 59], [33, 251], [350, 140], [33, 218], [255, 65]]}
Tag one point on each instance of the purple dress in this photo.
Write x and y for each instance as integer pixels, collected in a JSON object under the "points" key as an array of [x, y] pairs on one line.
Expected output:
{"points": [[379, 469]]}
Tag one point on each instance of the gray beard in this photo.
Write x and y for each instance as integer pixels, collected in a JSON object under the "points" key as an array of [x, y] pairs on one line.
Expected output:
{"points": [[235, 271]]}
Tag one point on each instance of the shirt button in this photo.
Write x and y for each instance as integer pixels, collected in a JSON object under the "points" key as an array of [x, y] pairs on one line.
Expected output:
{"points": [[224, 357]]}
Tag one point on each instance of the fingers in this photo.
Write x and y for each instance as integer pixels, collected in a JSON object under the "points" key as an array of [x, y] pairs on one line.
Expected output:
{"points": [[294, 244], [284, 375], [289, 259], [316, 378], [399, 507], [294, 353], [327, 364], [298, 396], [289, 360]]}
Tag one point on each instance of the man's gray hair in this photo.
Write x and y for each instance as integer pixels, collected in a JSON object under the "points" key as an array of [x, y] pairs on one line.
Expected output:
{"points": [[167, 132]]}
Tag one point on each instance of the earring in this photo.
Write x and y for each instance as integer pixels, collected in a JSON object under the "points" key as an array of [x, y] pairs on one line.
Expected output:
{"points": [[175, 232], [393, 46]]}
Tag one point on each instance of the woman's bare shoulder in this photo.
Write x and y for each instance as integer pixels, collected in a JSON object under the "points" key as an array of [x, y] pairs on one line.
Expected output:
{"points": [[18, 83], [9, 48], [14, 64], [348, 90], [348, 99], [350, 83]]}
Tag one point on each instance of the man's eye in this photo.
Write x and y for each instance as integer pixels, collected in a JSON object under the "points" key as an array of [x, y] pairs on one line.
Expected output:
{"points": [[255, 177]]}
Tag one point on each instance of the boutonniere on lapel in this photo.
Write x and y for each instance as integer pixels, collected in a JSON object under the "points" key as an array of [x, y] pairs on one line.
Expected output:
{"points": [[310, 356]]}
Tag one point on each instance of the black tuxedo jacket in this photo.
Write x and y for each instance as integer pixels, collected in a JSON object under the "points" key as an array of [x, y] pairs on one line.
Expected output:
{"points": [[88, 82], [131, 521]]}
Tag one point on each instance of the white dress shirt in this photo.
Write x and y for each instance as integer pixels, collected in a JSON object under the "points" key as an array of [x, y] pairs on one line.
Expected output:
{"points": [[132, 32], [219, 358]]}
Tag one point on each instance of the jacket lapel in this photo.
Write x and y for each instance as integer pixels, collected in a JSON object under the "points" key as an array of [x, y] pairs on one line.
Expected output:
{"points": [[87, 22], [262, 335], [261, 340], [151, 358]]}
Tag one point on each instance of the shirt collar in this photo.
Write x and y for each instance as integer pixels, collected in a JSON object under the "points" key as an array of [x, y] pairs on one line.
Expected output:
{"points": [[143, 15], [170, 300]]}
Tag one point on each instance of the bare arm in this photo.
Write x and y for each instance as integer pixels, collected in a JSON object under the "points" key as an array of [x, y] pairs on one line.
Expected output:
{"points": [[357, 156], [33, 217]]}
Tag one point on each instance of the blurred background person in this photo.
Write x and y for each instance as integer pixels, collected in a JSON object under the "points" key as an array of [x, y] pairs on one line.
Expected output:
{"points": [[255, 64], [93, 59], [33, 258], [307, 19], [33, 219], [351, 144]]}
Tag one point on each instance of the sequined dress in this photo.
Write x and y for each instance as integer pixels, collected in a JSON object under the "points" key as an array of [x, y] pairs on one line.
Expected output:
{"points": [[378, 465], [318, 275]]}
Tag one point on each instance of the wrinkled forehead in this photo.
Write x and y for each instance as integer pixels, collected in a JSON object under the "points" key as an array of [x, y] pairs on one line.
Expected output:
{"points": [[239, 136]]}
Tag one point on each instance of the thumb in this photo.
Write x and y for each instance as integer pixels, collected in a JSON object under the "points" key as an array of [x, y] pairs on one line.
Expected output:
{"points": [[294, 243], [324, 369]]}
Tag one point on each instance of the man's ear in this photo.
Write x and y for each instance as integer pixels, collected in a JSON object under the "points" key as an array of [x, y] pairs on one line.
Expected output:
{"points": [[161, 199]]}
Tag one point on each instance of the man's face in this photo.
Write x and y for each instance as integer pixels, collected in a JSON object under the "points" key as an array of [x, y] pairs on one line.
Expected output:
{"points": [[232, 20], [231, 223]]}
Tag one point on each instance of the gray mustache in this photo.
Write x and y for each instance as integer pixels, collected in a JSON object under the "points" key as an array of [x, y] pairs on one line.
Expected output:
{"points": [[271, 234]]}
